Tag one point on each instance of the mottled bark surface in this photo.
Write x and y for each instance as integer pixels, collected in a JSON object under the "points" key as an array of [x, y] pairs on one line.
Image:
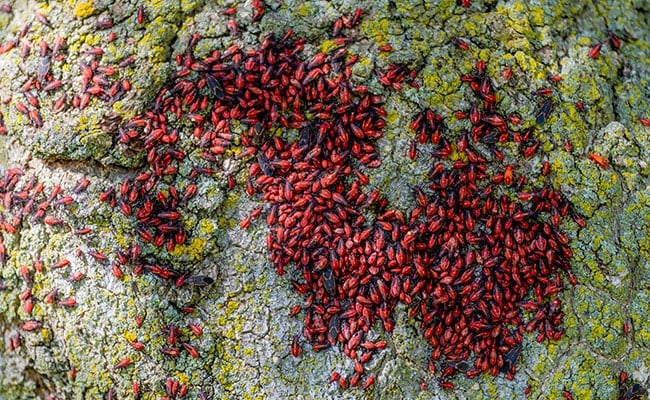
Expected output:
{"points": [[247, 331]]}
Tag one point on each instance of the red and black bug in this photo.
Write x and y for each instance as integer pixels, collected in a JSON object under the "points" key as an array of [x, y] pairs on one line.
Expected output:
{"points": [[140, 15], [594, 51], [296, 349], [614, 40], [598, 159], [460, 43]]}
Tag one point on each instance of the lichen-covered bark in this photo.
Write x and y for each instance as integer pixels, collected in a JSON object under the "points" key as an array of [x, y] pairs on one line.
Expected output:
{"points": [[247, 330]]}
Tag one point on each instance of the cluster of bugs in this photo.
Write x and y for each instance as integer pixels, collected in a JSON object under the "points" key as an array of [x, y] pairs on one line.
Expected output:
{"points": [[315, 189], [42, 84], [480, 268], [345, 22], [479, 261], [178, 341], [96, 81], [428, 128], [27, 201], [174, 389], [396, 74], [304, 181], [159, 220], [444, 259]]}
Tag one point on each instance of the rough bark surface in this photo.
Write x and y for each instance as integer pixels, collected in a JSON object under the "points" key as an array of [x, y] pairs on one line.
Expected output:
{"points": [[244, 314]]}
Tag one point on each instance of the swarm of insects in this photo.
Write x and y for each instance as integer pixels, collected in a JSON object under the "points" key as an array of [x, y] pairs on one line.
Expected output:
{"points": [[477, 268], [482, 269]]}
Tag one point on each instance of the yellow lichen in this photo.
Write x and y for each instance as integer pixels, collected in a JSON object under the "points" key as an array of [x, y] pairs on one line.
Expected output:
{"points": [[92, 40], [241, 268], [392, 116], [46, 335], [232, 306], [517, 6], [193, 250], [327, 46], [376, 29], [183, 378], [305, 9], [84, 10], [130, 336], [206, 226]]}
